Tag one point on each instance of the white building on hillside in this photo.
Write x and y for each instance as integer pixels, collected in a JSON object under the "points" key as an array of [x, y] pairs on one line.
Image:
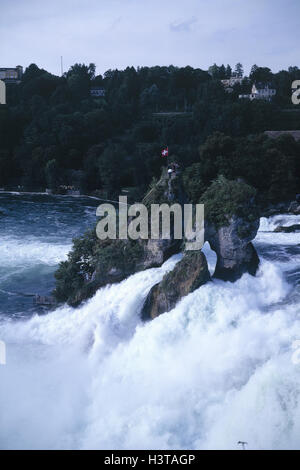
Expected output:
{"points": [[11, 74], [260, 91]]}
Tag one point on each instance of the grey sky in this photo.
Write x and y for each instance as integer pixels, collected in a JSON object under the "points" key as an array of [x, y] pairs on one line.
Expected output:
{"points": [[117, 33]]}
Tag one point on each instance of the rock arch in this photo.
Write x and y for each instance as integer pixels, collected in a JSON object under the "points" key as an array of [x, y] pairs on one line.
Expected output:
{"points": [[235, 254]]}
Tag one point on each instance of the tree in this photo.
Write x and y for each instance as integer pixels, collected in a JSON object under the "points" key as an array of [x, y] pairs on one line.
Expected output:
{"points": [[52, 174], [78, 79], [149, 98], [239, 70], [225, 198], [110, 165], [116, 141], [254, 68], [217, 73], [261, 74], [31, 72], [228, 71]]}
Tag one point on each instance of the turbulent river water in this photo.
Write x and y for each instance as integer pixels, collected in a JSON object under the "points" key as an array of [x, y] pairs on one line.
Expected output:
{"points": [[223, 366]]}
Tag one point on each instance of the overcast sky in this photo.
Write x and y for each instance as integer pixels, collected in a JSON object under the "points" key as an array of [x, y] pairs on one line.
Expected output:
{"points": [[117, 33]]}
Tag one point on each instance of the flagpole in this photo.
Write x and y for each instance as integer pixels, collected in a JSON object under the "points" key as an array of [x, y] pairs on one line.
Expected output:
{"points": [[165, 154]]}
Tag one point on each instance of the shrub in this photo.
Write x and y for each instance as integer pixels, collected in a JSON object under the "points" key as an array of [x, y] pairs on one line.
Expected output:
{"points": [[225, 198]]}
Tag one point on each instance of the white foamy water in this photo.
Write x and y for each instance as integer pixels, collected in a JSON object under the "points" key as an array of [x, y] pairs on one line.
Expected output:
{"points": [[215, 370], [267, 227], [271, 223], [211, 257], [31, 251]]}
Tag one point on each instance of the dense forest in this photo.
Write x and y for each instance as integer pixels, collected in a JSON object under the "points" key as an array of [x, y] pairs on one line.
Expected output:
{"points": [[54, 133]]}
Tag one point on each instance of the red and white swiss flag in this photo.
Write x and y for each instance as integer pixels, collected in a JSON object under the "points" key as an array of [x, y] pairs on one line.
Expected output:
{"points": [[165, 152]]}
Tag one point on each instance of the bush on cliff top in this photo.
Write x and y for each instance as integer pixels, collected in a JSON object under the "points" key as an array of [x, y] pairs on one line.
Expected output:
{"points": [[225, 198]]}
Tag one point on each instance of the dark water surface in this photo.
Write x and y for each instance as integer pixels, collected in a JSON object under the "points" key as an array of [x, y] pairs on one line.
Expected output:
{"points": [[36, 233]]}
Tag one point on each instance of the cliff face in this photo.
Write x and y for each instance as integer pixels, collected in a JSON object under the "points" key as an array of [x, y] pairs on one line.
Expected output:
{"points": [[156, 252], [235, 256], [94, 263], [106, 262], [230, 224], [189, 274], [232, 244]]}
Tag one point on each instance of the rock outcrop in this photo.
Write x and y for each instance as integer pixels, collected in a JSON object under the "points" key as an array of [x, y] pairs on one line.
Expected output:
{"points": [[231, 223], [167, 190], [289, 229], [94, 263], [189, 274], [291, 207], [156, 252], [107, 262], [294, 208], [236, 256], [232, 244]]}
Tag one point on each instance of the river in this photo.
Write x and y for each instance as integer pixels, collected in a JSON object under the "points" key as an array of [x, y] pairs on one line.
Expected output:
{"points": [[222, 367]]}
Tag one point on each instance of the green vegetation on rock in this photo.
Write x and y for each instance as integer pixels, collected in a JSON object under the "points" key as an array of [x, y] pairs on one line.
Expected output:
{"points": [[93, 263], [225, 198]]}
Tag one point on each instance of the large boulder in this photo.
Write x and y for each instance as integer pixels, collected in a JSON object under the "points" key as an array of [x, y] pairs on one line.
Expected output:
{"points": [[189, 274], [231, 223], [236, 254], [156, 252]]}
